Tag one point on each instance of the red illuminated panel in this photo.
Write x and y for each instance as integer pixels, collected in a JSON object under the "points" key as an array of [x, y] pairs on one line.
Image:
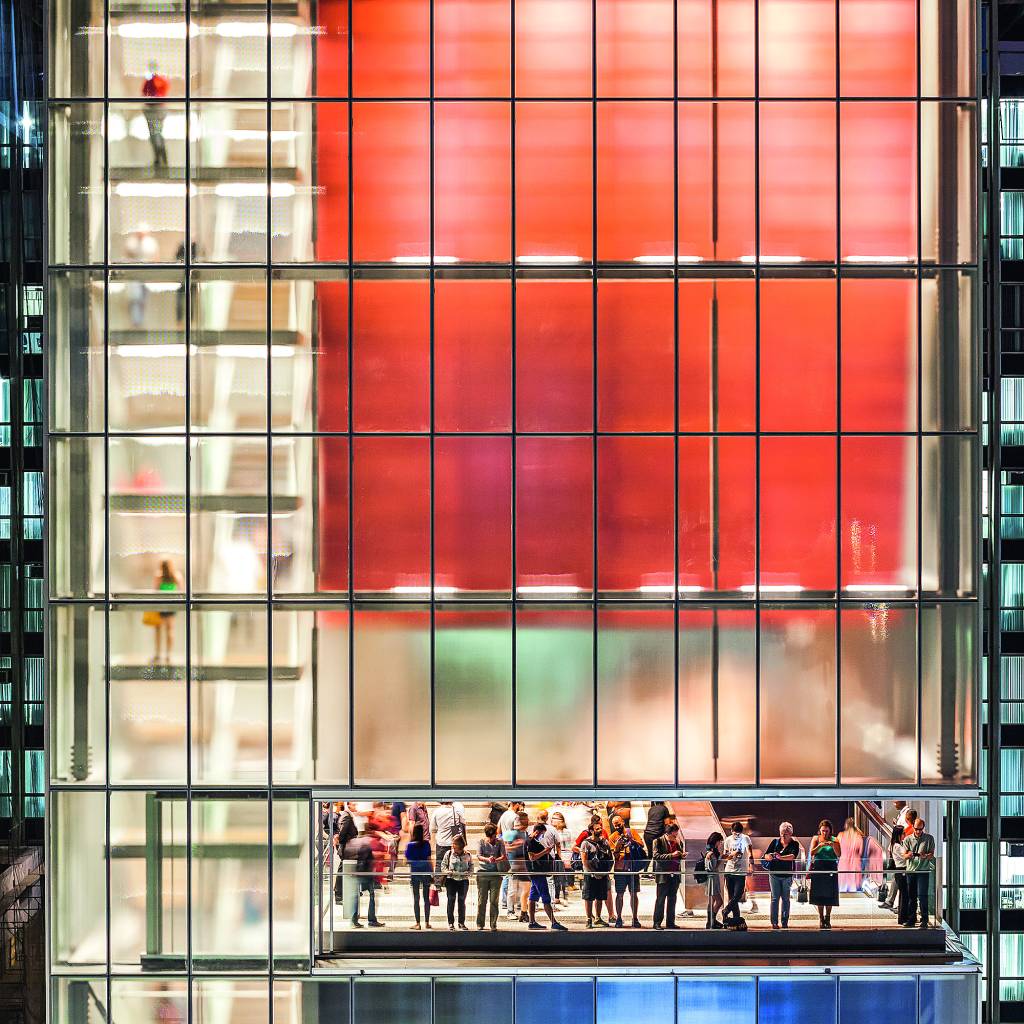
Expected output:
{"points": [[472, 355], [717, 514], [332, 512], [798, 180], [716, 181], [635, 352], [878, 344], [798, 513], [332, 145], [797, 47], [554, 179], [879, 498], [635, 181], [472, 48], [391, 48], [716, 47], [330, 345], [798, 354], [636, 539], [473, 181], [391, 499], [878, 180], [391, 187], [330, 66], [391, 355], [554, 514], [473, 514], [554, 355], [877, 47], [554, 43], [717, 353], [634, 48]]}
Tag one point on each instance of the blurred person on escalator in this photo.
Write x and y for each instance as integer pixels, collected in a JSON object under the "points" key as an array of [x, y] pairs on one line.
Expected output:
{"points": [[154, 88]]}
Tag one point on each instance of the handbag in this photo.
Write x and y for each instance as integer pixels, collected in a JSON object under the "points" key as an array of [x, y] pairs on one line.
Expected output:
{"points": [[151, 618], [802, 892], [432, 897]]}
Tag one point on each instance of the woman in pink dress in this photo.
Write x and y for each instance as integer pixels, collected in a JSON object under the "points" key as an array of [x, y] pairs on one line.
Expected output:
{"points": [[851, 858]]}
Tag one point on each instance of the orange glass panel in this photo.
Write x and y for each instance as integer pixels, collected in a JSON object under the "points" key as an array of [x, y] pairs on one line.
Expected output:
{"points": [[472, 48], [716, 47], [635, 352], [797, 47], [473, 181], [554, 43], [798, 343], [878, 180], [554, 180], [877, 47], [634, 48], [391, 48], [635, 181]]}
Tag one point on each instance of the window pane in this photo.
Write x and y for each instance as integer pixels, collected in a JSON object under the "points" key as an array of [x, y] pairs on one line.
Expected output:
{"points": [[473, 695], [949, 692], [76, 48], [798, 695], [391, 178], [944, 1000], [717, 352], [312, 59], [949, 347], [716, 181], [76, 510], [75, 381], [391, 48], [391, 354], [391, 717], [309, 146], [473, 515], [798, 180], [229, 676], [468, 1000], [709, 1000], [878, 177], [635, 182], [290, 863], [554, 683], [948, 514], [879, 694], [554, 355], [230, 880], [76, 183], [553, 55], [135, 1001], [554, 515], [859, 998], [312, 1001], [642, 998], [229, 335], [472, 47], [798, 513], [877, 47], [472, 181], [391, 509], [78, 889], [219, 999], [566, 1000], [228, 191], [878, 353], [635, 666], [949, 225], [948, 47], [472, 354], [635, 351], [634, 48], [636, 480], [387, 1000], [233, 62], [69, 995], [797, 47], [713, 62], [311, 694], [796, 1000], [879, 515], [716, 514], [717, 695], [798, 341]]}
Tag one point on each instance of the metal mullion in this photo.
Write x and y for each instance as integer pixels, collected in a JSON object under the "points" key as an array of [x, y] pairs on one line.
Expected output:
{"points": [[920, 404], [675, 390], [757, 395], [514, 604], [351, 440], [268, 607], [106, 496], [432, 506], [595, 581], [838, 410]]}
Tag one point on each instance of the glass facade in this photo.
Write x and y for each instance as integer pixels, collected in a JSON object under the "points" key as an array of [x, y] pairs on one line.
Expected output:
{"points": [[425, 372]]}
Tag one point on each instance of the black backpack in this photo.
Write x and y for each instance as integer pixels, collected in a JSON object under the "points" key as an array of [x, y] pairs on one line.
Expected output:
{"points": [[364, 859], [601, 862], [700, 870]]}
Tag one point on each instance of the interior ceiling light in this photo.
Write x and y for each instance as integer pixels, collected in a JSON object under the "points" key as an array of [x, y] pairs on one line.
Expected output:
{"points": [[549, 259], [772, 588], [549, 589], [417, 260]]}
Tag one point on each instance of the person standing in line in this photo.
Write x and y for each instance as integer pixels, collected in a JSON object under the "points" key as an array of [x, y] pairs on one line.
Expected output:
{"points": [[509, 822], [539, 858], [343, 830], [908, 828], [668, 866], [920, 849], [519, 871], [449, 821], [781, 856], [456, 869], [737, 866], [628, 855], [896, 829], [596, 856], [563, 853], [490, 872], [824, 857], [711, 872], [852, 841], [655, 826], [899, 880], [417, 855]]}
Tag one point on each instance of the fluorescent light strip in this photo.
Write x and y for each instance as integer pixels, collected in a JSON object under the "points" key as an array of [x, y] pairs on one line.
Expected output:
{"points": [[161, 351], [660, 260], [773, 259], [151, 190], [424, 591], [876, 588], [226, 29], [423, 260], [772, 588], [549, 259], [878, 259], [549, 589]]}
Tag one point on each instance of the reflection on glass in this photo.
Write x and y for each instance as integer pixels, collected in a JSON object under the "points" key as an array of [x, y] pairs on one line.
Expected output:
{"points": [[290, 865], [217, 998], [78, 891], [466, 1000], [76, 183], [147, 1002], [948, 515], [949, 226], [76, 49], [878, 52], [948, 47], [567, 1000], [228, 43], [858, 998], [647, 998], [791, 1000], [796, 47], [325, 999], [949, 346], [75, 378], [709, 1000], [76, 548]]}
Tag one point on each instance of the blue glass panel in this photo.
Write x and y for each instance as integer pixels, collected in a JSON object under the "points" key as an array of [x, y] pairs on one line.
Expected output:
{"points": [[391, 1001], [651, 1000], [949, 999], [860, 999], [561, 1000], [472, 1000], [714, 1000], [796, 1001]]}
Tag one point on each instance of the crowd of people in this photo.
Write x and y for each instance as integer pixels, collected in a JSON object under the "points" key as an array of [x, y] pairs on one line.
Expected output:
{"points": [[526, 867]]}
